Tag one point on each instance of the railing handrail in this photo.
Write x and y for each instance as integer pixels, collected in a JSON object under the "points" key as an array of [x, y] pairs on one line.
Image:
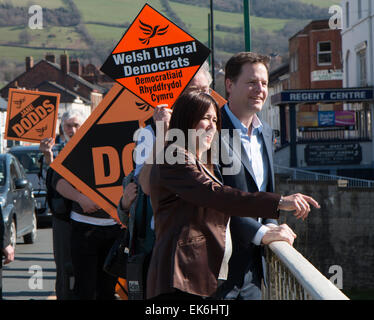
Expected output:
{"points": [[317, 176], [312, 280]]}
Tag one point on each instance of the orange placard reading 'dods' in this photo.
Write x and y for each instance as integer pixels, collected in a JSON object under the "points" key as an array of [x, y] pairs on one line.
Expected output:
{"points": [[31, 115], [99, 155], [155, 59]]}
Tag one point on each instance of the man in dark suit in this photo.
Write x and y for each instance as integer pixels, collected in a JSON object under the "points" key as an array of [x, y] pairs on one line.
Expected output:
{"points": [[247, 164]]}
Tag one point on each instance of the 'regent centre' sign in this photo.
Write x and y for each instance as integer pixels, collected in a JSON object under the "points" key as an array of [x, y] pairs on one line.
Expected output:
{"points": [[324, 95]]}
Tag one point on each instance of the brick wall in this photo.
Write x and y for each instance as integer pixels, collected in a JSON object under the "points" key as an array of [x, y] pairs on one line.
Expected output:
{"points": [[340, 233]]}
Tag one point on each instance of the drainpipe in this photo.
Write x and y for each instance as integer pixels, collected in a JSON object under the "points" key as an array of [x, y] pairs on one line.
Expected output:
{"points": [[371, 41], [371, 52]]}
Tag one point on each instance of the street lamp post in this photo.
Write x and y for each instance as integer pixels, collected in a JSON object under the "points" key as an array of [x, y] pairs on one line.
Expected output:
{"points": [[247, 25], [209, 38], [212, 42]]}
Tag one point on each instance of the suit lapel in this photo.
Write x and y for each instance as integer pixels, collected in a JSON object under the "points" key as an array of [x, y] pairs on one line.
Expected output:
{"points": [[227, 124], [268, 140]]}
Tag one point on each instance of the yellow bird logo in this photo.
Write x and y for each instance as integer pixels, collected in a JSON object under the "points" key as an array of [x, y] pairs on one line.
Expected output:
{"points": [[151, 32], [41, 130], [18, 103], [143, 106]]}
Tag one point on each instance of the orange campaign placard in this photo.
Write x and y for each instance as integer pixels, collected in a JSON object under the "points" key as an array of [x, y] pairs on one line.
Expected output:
{"points": [[219, 99], [31, 115], [99, 155], [155, 59], [153, 63]]}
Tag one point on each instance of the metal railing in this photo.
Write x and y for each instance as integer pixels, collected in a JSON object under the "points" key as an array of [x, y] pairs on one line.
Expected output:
{"points": [[305, 175], [292, 277]]}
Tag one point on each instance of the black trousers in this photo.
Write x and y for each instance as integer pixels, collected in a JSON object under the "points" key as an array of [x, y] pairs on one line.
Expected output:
{"points": [[90, 245], [62, 254], [177, 295], [1, 275]]}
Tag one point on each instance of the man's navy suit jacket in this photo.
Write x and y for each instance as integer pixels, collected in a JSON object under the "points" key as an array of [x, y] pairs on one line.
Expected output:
{"points": [[247, 260]]}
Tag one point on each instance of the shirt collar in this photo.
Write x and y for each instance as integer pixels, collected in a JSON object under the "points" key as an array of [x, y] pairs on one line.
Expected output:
{"points": [[257, 125]]}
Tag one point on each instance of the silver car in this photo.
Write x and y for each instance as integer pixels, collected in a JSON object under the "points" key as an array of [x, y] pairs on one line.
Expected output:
{"points": [[17, 201], [30, 157]]}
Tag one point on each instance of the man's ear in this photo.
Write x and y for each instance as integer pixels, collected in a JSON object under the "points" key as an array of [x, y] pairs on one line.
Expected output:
{"points": [[228, 85]]}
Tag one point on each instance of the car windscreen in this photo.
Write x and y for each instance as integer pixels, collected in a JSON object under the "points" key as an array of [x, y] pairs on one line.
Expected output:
{"points": [[2, 173], [29, 160]]}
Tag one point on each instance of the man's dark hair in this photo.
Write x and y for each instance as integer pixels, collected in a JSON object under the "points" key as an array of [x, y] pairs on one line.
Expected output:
{"points": [[234, 64]]}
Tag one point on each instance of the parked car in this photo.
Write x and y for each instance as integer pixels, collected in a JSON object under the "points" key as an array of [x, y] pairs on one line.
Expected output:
{"points": [[30, 157], [17, 201]]}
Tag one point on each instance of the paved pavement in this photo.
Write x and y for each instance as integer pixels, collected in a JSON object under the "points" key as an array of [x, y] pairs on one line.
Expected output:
{"points": [[31, 276]]}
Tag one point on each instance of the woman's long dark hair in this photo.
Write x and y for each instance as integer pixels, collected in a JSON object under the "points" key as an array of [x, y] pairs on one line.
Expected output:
{"points": [[189, 109]]}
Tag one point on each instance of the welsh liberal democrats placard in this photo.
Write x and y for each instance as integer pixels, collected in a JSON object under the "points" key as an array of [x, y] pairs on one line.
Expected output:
{"points": [[155, 59], [31, 115]]}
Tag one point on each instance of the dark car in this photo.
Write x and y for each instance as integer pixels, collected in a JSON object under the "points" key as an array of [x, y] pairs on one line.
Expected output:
{"points": [[17, 202], [30, 157]]}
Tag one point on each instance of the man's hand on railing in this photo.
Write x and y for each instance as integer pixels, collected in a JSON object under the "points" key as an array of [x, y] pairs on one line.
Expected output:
{"points": [[299, 203], [278, 233]]}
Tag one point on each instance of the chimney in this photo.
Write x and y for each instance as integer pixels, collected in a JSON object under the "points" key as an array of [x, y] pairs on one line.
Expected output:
{"points": [[29, 63], [64, 62], [75, 67], [50, 57]]}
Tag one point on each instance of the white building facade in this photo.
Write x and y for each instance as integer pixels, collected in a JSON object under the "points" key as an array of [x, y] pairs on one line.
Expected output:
{"points": [[358, 42], [358, 52]]}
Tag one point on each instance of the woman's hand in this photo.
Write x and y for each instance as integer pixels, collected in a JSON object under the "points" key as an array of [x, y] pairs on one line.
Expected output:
{"points": [[87, 204], [129, 195], [162, 113], [45, 147]]}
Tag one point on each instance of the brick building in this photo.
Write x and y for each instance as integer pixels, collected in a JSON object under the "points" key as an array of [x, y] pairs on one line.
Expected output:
{"points": [[315, 62], [68, 78], [323, 126], [65, 78], [315, 57]]}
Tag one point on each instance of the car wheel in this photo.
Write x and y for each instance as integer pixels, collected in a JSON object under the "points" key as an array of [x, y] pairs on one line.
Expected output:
{"points": [[13, 234], [31, 237]]}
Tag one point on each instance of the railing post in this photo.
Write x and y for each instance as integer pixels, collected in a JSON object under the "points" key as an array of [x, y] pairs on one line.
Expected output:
{"points": [[293, 277]]}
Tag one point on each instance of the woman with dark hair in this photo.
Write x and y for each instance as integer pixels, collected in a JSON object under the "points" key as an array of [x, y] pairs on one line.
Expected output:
{"points": [[192, 122], [192, 208]]}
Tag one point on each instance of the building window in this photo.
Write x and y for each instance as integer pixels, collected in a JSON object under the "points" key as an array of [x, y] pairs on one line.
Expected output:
{"points": [[361, 68], [324, 54], [293, 62], [359, 9], [347, 14]]}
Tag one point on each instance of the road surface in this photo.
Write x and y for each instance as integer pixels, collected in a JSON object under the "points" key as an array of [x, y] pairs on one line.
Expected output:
{"points": [[31, 276]]}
